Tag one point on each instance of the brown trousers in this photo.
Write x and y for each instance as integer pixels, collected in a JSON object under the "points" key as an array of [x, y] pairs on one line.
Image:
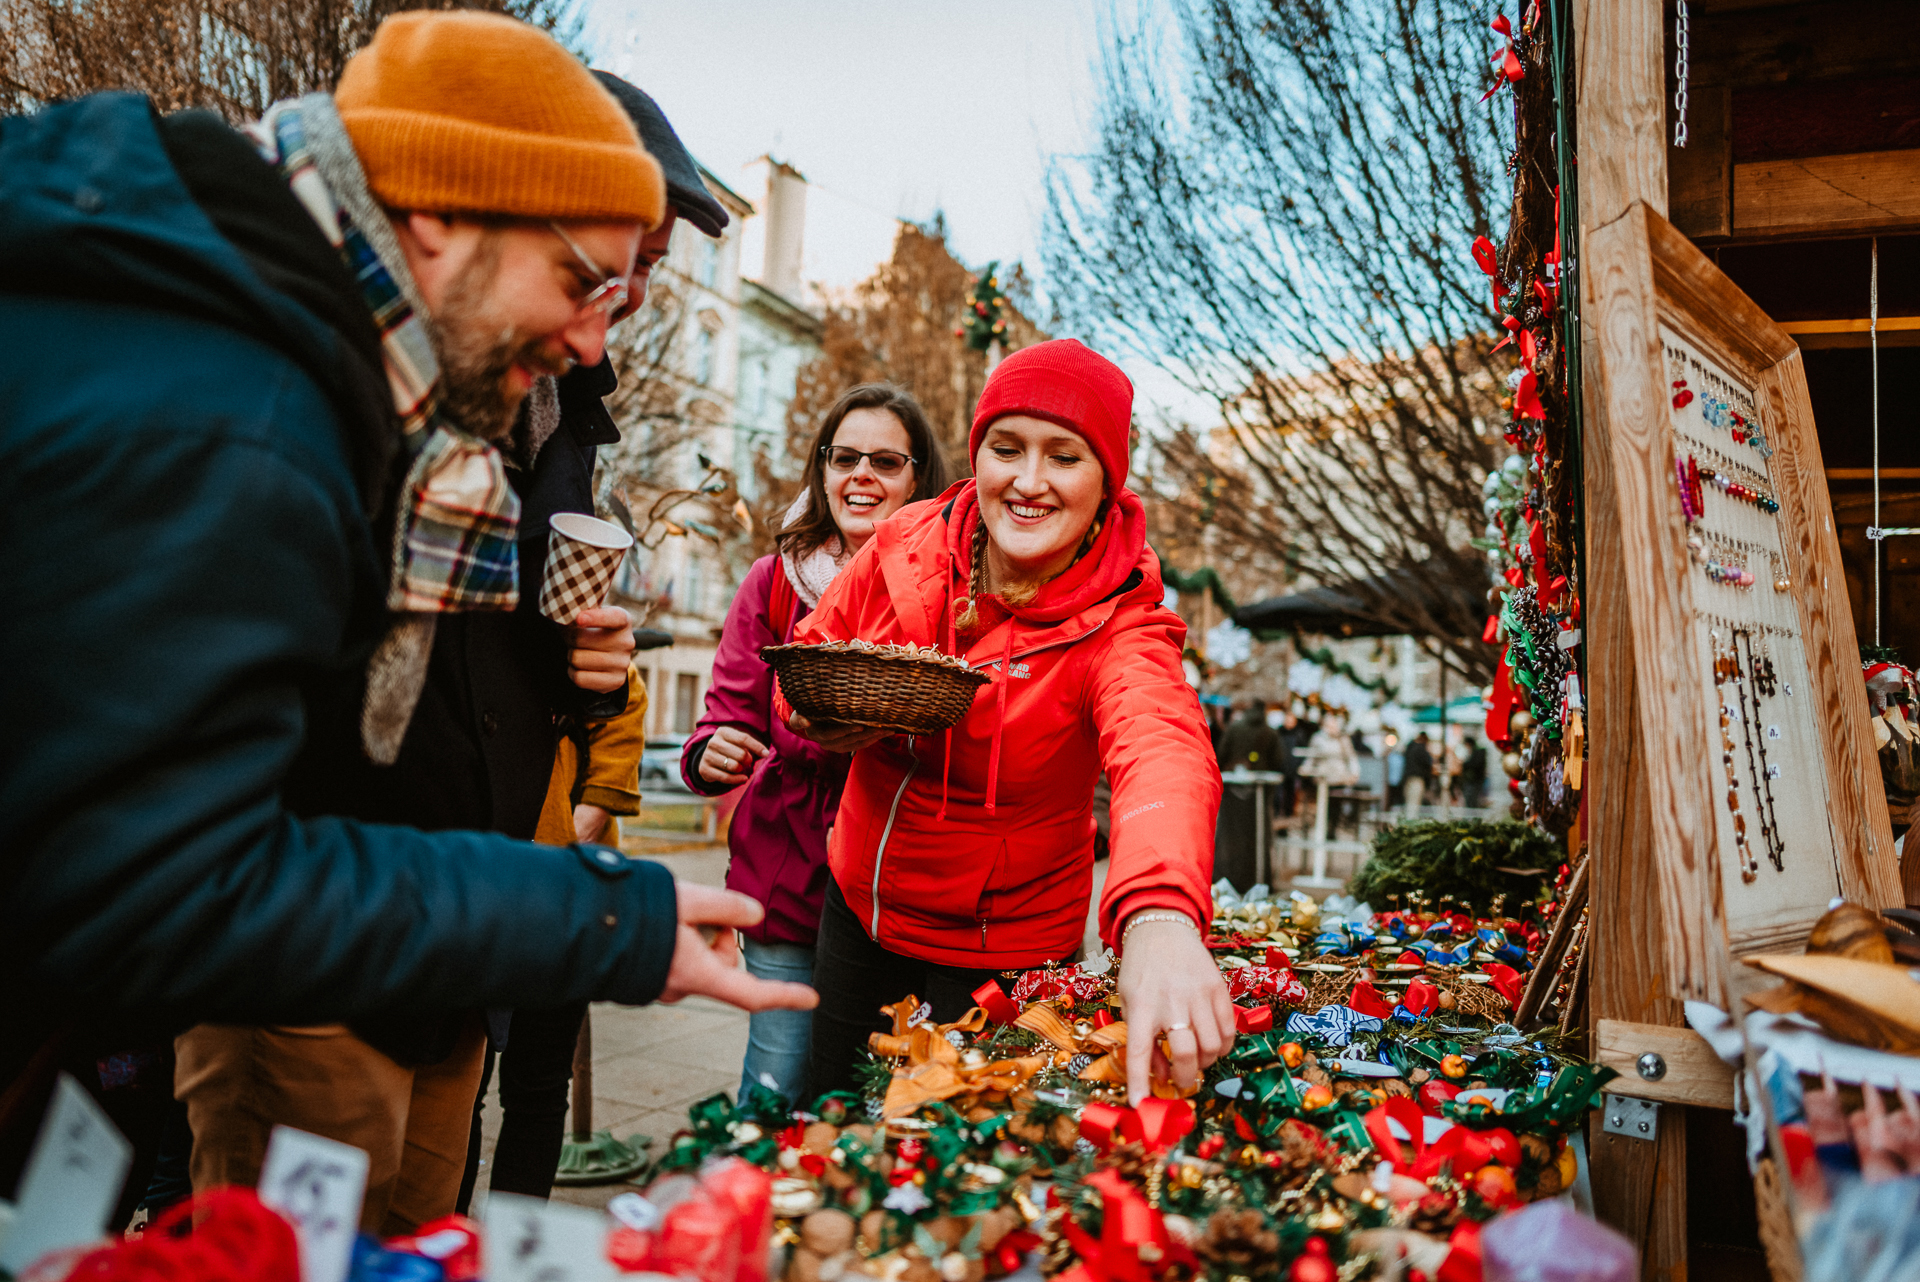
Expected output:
{"points": [[238, 1083]]}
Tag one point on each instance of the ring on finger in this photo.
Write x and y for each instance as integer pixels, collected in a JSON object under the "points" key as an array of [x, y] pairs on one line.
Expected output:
{"points": [[1178, 1028]]}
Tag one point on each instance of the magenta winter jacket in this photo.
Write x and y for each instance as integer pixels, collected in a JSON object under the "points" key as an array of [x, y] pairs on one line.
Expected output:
{"points": [[778, 840]]}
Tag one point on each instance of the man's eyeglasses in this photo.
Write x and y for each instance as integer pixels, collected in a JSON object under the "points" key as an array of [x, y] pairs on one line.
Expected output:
{"points": [[844, 458], [610, 295]]}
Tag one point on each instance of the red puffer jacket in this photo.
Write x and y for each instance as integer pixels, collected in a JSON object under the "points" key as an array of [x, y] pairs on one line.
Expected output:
{"points": [[984, 857]]}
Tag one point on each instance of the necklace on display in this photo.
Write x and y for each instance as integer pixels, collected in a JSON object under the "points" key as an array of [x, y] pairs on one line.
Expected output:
{"points": [[1723, 667], [1756, 734]]}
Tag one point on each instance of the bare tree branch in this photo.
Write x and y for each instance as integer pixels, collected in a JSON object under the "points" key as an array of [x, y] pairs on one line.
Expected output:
{"points": [[1279, 210]]}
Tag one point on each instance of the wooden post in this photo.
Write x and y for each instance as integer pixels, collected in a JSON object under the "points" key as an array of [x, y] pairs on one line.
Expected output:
{"points": [[1639, 1187]]}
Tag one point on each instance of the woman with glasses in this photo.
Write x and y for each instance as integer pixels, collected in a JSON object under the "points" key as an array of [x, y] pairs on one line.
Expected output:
{"points": [[874, 453], [959, 856]]}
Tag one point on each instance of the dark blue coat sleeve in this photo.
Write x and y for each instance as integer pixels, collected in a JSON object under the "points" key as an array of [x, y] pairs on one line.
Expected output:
{"points": [[183, 551]]}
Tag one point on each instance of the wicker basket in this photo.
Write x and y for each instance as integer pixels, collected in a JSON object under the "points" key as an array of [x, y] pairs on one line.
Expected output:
{"points": [[873, 687]]}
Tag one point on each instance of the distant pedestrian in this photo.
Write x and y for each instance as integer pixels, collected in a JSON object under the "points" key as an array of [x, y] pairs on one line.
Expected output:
{"points": [[1418, 773], [1473, 775], [1248, 743]]}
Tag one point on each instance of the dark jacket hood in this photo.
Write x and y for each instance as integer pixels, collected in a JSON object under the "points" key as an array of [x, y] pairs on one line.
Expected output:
{"points": [[94, 206]]}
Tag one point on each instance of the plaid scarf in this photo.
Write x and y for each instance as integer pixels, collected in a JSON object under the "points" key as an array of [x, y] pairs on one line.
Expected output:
{"points": [[454, 542]]}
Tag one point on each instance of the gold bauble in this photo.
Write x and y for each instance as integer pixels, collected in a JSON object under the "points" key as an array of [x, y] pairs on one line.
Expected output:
{"points": [[1515, 765], [1520, 722]]}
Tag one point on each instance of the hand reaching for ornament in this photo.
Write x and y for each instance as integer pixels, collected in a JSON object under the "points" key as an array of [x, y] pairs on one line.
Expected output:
{"points": [[836, 736], [729, 756], [711, 966], [1170, 985]]}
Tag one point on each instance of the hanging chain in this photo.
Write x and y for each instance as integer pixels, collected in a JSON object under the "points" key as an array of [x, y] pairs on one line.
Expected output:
{"points": [[1680, 76]]}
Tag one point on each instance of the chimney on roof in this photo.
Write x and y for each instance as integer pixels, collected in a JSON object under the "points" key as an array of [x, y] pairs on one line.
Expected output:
{"points": [[783, 218]]}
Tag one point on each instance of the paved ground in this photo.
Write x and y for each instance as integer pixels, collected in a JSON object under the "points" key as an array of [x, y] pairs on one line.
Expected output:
{"points": [[650, 1063]]}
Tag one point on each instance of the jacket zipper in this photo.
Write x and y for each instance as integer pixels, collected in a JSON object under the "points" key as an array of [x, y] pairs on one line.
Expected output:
{"points": [[1051, 645], [880, 855]]}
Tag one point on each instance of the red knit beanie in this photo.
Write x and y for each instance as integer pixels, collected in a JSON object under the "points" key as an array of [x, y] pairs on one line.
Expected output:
{"points": [[1063, 381]]}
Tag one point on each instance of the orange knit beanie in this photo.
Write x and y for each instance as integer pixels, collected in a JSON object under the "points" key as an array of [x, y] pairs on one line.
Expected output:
{"points": [[461, 112]]}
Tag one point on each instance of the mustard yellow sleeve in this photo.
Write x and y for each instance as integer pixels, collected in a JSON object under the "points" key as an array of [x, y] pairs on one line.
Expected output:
{"points": [[613, 753]]}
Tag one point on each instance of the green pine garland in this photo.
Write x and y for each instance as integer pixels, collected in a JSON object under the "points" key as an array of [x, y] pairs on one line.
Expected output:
{"points": [[1461, 858]]}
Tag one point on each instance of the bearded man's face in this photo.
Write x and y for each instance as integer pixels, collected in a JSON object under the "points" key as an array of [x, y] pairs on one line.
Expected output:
{"points": [[487, 363]]}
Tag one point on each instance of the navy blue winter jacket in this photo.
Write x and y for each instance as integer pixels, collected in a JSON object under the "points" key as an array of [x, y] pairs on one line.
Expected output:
{"points": [[190, 447]]}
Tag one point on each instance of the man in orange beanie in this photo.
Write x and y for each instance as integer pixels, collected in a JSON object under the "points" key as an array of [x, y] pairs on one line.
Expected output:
{"points": [[252, 390]]}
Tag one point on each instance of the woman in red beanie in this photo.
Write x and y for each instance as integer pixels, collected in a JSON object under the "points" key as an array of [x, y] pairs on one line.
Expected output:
{"points": [[959, 856]]}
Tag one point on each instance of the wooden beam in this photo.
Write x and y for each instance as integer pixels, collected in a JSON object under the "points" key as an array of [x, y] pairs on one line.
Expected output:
{"points": [[1694, 1074], [1621, 102], [1621, 90], [1865, 192], [1700, 174], [1835, 40]]}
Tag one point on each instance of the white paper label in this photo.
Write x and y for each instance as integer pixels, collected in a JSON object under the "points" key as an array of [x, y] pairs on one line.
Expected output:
{"points": [[72, 1180], [318, 1184], [1773, 732], [1773, 770], [528, 1240]]}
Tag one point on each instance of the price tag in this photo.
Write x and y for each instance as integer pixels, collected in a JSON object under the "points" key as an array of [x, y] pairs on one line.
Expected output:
{"points": [[72, 1180], [318, 1184], [529, 1240], [1773, 732]]}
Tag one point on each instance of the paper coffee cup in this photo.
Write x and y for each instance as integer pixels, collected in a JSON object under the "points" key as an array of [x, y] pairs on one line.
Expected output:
{"points": [[583, 553]]}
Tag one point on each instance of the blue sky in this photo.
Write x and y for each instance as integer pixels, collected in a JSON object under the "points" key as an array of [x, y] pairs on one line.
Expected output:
{"points": [[899, 107]]}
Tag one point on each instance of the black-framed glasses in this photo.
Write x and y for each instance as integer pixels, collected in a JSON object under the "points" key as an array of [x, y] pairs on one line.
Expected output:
{"points": [[844, 458]]}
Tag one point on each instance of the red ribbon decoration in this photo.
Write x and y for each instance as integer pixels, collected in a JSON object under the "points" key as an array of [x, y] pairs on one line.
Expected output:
{"points": [[1398, 1108], [1463, 1260], [1485, 255], [1278, 959], [1505, 980], [1257, 1019], [1157, 1123], [1134, 1245], [1421, 997], [993, 999], [1526, 398], [1366, 999], [1500, 715]]}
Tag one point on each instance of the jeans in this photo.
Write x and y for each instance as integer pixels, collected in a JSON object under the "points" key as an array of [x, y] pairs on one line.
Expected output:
{"points": [[856, 977], [778, 1041]]}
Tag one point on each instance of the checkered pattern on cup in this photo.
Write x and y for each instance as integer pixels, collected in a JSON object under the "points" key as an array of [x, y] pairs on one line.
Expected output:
{"points": [[583, 552]]}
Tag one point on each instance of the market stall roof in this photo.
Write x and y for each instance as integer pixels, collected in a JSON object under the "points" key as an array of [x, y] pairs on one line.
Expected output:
{"points": [[1460, 711], [1381, 606]]}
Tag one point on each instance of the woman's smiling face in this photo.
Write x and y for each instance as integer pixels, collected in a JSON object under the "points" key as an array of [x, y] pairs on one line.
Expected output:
{"points": [[862, 498], [1040, 488]]}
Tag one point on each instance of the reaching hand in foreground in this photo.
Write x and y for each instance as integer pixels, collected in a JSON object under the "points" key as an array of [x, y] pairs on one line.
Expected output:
{"points": [[836, 736], [713, 969], [1169, 984], [599, 647]]}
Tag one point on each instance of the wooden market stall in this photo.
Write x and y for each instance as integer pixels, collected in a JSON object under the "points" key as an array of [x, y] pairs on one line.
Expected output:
{"points": [[1739, 268]]}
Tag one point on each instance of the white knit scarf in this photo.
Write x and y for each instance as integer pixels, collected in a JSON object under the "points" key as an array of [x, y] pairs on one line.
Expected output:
{"points": [[812, 573]]}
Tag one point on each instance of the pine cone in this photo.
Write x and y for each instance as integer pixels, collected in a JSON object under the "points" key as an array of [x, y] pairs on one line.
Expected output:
{"points": [[1239, 1242], [1435, 1214]]}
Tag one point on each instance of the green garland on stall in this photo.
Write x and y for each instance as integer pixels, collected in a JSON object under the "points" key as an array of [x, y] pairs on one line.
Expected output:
{"points": [[1207, 579], [1468, 860]]}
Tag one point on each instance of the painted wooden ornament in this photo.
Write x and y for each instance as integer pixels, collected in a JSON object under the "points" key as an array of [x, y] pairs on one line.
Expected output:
{"points": [[1850, 930]]}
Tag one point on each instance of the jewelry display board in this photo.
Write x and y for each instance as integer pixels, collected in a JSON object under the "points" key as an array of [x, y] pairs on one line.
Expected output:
{"points": [[1751, 722]]}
